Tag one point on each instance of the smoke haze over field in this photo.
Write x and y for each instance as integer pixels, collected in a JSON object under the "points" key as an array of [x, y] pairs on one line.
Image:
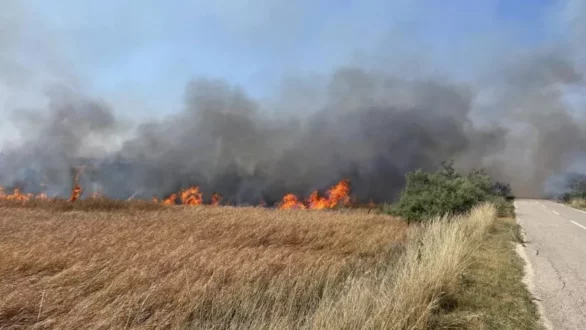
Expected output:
{"points": [[519, 113]]}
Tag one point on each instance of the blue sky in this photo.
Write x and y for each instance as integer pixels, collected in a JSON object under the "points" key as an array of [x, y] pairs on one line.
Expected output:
{"points": [[138, 55]]}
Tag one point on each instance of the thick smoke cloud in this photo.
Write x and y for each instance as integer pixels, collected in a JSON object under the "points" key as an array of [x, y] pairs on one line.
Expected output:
{"points": [[545, 134], [523, 123], [222, 141], [373, 129], [73, 127]]}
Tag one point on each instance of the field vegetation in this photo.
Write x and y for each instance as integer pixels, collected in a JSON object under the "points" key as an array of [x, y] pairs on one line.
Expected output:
{"points": [[102, 264]]}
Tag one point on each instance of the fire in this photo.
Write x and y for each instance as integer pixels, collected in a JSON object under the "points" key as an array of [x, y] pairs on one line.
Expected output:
{"points": [[336, 195], [170, 200], [75, 193], [17, 196], [290, 201], [191, 196], [318, 203], [76, 190], [339, 194], [216, 199]]}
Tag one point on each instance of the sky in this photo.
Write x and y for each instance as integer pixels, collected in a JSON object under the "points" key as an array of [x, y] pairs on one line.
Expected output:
{"points": [[139, 55]]}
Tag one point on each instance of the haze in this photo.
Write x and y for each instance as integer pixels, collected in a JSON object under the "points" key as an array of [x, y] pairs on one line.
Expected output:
{"points": [[258, 98]]}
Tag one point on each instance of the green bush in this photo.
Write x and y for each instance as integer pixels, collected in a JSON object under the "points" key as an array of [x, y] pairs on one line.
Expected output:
{"points": [[445, 192]]}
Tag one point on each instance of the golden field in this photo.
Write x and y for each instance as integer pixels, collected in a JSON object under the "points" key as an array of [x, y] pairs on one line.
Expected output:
{"points": [[143, 267]]}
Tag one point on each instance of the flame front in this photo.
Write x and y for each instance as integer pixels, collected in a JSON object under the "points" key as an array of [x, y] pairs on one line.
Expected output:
{"points": [[339, 194], [16, 196], [336, 196], [76, 190], [75, 193], [290, 201], [170, 200], [318, 203], [191, 196]]}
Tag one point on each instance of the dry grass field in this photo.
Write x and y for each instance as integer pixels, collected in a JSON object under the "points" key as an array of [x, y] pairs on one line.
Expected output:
{"points": [[225, 268]]}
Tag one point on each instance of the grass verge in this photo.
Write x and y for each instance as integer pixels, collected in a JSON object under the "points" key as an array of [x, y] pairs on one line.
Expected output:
{"points": [[491, 293]]}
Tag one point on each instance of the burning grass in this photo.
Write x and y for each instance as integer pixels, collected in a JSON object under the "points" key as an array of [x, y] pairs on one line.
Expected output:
{"points": [[220, 268], [337, 196]]}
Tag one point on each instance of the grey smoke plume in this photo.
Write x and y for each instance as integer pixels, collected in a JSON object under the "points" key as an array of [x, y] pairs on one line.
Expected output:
{"points": [[520, 123], [56, 140], [223, 141]]}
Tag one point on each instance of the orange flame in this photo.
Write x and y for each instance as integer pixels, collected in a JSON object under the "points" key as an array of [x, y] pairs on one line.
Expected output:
{"points": [[216, 199], [340, 193], [75, 193], [336, 195], [76, 190], [290, 201], [16, 196], [191, 196], [170, 200], [318, 203]]}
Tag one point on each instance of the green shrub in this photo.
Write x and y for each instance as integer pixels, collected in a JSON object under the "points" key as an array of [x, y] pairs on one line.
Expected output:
{"points": [[445, 192]]}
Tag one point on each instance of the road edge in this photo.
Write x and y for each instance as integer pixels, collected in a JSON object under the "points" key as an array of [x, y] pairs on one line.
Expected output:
{"points": [[528, 274]]}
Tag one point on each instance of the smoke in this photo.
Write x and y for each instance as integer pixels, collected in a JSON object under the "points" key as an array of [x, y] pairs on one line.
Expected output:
{"points": [[523, 122], [223, 141], [72, 128], [545, 134]]}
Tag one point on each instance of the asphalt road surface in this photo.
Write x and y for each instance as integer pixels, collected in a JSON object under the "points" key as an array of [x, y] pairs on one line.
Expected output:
{"points": [[556, 251]]}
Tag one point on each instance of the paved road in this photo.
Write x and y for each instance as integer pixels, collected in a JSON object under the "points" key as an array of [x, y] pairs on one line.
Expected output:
{"points": [[556, 251]]}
